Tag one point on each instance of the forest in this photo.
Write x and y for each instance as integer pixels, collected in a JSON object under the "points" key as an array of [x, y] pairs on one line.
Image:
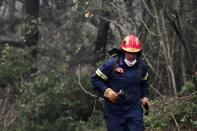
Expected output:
{"points": [[50, 48]]}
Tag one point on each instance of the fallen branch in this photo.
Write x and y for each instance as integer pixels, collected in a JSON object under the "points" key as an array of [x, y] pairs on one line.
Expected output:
{"points": [[18, 44], [175, 121], [185, 98]]}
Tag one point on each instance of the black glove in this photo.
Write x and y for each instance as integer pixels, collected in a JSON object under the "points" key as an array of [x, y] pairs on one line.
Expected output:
{"points": [[146, 109]]}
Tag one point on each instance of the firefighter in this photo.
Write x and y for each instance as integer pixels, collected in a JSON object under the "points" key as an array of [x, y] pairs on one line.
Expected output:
{"points": [[123, 81]]}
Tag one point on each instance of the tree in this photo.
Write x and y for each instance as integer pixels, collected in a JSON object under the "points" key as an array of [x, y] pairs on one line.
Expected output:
{"points": [[102, 36], [32, 21]]}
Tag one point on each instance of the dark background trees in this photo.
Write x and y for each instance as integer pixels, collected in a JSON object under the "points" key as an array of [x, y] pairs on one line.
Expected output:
{"points": [[47, 45]]}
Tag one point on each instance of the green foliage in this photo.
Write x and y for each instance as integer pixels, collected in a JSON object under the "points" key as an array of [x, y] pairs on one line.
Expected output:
{"points": [[48, 100], [31, 24], [52, 101], [188, 88], [14, 65], [39, 106], [95, 123]]}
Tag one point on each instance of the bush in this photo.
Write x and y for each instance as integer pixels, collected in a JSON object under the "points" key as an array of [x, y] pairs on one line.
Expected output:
{"points": [[52, 101], [166, 112], [49, 100], [14, 64], [188, 88]]}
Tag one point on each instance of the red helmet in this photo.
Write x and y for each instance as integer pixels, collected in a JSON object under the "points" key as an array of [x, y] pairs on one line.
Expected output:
{"points": [[131, 44]]}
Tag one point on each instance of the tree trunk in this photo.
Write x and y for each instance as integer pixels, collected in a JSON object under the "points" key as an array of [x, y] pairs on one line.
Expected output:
{"points": [[101, 40], [31, 22], [137, 7], [11, 14]]}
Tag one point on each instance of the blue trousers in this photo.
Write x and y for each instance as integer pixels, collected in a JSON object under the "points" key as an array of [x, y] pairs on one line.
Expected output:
{"points": [[131, 121]]}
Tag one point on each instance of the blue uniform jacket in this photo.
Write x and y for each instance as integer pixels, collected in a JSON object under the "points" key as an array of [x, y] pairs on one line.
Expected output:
{"points": [[133, 81]]}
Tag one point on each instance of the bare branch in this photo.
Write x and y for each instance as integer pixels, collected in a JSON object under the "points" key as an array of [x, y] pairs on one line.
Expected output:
{"points": [[5, 103], [83, 89], [157, 91], [147, 8], [93, 110], [9, 117], [148, 28], [150, 65], [115, 23]]}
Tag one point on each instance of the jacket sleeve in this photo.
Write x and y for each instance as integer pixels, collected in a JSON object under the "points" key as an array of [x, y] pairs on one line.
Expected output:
{"points": [[101, 75], [145, 83]]}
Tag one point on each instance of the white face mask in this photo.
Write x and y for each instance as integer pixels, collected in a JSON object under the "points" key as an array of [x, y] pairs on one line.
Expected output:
{"points": [[130, 63]]}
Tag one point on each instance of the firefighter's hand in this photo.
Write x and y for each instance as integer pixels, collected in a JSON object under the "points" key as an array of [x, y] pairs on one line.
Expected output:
{"points": [[145, 101], [111, 95]]}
